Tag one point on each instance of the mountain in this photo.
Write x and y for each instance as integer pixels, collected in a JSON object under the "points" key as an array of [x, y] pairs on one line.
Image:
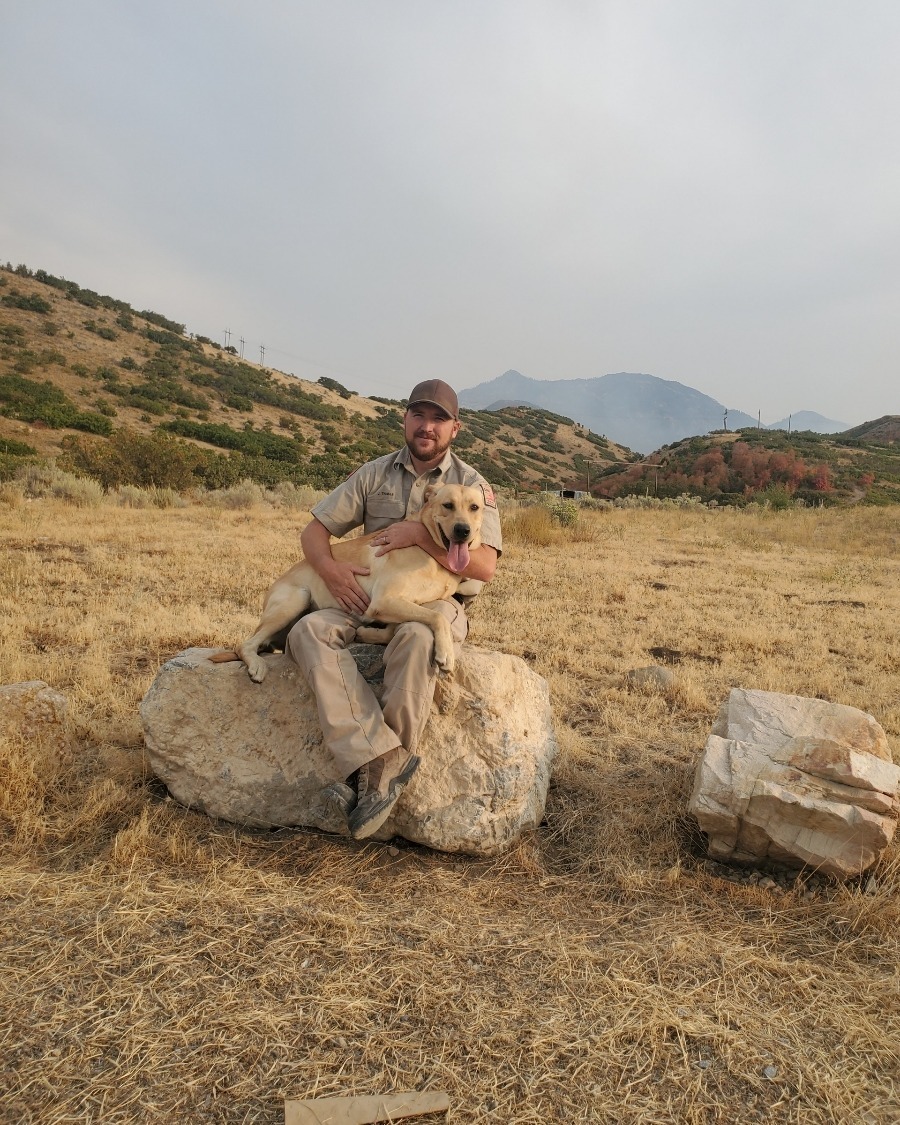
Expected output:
{"points": [[808, 420], [128, 398], [640, 411]]}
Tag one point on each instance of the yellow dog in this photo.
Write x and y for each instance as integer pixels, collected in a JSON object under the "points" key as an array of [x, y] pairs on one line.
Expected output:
{"points": [[398, 583]]}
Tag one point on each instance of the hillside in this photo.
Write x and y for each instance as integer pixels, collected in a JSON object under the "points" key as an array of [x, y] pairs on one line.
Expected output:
{"points": [[760, 464], [638, 410], [126, 397], [883, 431]]}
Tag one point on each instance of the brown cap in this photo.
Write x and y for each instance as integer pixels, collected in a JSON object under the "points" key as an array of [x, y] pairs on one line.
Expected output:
{"points": [[438, 393]]}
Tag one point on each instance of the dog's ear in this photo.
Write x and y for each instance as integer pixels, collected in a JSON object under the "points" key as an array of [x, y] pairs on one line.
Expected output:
{"points": [[430, 491]]}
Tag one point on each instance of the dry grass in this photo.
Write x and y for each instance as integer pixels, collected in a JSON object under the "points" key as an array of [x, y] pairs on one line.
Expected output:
{"points": [[161, 967]]}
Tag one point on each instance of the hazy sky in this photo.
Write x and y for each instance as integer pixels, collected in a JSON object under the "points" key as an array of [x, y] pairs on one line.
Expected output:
{"points": [[389, 190]]}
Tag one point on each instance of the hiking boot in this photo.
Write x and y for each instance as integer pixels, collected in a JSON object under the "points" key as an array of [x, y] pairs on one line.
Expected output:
{"points": [[380, 784], [342, 796]]}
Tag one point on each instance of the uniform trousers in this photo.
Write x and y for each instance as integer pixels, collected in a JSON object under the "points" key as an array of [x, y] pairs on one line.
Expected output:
{"points": [[355, 727]]}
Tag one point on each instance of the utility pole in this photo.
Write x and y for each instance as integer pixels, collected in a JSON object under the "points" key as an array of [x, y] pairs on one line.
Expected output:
{"points": [[262, 355], [725, 420], [587, 465], [227, 337], [242, 347], [759, 419], [790, 416]]}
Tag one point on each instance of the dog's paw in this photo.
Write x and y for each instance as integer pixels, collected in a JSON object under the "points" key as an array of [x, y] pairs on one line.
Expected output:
{"points": [[444, 661], [256, 666]]}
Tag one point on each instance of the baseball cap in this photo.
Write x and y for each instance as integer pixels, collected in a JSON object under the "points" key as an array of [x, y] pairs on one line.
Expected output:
{"points": [[438, 393]]}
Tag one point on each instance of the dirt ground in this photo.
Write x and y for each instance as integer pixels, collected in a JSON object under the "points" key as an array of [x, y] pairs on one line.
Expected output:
{"points": [[157, 966]]}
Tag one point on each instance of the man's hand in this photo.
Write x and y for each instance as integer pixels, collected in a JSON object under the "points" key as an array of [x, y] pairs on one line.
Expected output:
{"points": [[340, 578], [406, 533]]}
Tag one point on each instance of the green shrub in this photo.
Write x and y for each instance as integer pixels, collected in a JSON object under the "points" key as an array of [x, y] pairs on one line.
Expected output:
{"points": [[30, 302], [12, 334], [31, 401], [163, 322], [775, 497], [334, 385], [101, 330], [565, 512], [16, 448], [147, 460], [257, 443], [49, 356]]}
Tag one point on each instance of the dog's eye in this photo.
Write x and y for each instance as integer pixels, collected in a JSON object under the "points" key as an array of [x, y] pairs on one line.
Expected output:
{"points": [[449, 507], [473, 507]]}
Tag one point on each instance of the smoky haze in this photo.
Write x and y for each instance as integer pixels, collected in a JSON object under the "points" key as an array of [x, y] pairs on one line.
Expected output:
{"points": [[705, 191]]}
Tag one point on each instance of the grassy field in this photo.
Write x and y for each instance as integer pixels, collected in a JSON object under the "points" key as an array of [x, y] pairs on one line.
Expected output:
{"points": [[160, 967]]}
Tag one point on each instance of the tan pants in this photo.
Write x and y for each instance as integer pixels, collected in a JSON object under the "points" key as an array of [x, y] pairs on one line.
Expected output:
{"points": [[355, 727]]}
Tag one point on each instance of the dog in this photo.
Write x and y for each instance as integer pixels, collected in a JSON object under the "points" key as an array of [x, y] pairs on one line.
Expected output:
{"points": [[398, 583]]}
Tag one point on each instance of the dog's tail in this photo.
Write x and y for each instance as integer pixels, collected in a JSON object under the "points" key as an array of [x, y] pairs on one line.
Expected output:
{"points": [[223, 657]]}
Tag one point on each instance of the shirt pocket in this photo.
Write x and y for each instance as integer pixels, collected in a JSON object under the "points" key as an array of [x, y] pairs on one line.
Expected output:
{"points": [[382, 511]]}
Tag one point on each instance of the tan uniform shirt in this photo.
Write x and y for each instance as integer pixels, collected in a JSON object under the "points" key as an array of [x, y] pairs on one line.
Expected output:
{"points": [[386, 490]]}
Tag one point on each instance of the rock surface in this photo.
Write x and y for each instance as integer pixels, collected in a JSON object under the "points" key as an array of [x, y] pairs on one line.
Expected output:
{"points": [[35, 714], [253, 753], [654, 678], [796, 781]]}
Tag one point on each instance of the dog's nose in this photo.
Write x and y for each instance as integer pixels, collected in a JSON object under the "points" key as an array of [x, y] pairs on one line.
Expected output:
{"points": [[461, 532]]}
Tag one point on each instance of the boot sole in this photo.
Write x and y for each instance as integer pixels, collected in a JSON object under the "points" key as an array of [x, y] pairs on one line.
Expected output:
{"points": [[342, 796], [367, 817]]}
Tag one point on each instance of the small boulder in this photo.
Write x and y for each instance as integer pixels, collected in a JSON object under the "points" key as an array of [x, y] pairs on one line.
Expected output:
{"points": [[796, 781], [253, 753], [652, 678], [34, 714]]}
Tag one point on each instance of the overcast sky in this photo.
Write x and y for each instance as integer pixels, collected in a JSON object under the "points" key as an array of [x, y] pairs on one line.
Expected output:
{"points": [[390, 190]]}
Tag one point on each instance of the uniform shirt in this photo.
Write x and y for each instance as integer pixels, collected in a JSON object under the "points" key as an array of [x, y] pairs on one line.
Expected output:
{"points": [[386, 490]]}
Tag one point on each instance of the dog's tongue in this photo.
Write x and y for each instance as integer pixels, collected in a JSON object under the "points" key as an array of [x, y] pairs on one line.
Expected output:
{"points": [[457, 557]]}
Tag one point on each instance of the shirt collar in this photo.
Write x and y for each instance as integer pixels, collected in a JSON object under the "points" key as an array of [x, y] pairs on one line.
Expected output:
{"points": [[404, 460]]}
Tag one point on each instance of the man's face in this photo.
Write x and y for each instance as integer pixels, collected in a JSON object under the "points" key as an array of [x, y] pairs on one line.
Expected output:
{"points": [[428, 431]]}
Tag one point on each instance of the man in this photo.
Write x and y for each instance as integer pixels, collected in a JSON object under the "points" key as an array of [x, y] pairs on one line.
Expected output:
{"points": [[378, 744]]}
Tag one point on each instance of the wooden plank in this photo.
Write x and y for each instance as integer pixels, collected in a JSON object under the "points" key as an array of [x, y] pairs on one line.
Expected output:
{"points": [[365, 1110]]}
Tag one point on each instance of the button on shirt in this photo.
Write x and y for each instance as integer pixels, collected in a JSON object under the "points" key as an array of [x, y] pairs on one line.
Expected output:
{"points": [[387, 490]]}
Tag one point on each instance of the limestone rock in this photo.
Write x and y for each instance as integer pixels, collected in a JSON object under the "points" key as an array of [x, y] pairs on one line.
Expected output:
{"points": [[35, 714], [654, 678], [253, 753], [796, 781]]}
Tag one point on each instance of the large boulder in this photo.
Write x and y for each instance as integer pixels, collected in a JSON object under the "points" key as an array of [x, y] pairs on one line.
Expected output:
{"points": [[253, 753], [796, 781]]}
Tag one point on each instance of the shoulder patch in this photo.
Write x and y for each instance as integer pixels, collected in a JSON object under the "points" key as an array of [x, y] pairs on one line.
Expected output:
{"points": [[489, 500]]}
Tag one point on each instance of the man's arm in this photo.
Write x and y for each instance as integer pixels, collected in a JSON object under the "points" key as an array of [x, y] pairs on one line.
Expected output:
{"points": [[412, 533], [338, 576]]}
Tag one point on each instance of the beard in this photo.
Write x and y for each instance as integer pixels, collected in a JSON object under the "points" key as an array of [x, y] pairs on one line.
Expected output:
{"points": [[427, 449]]}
